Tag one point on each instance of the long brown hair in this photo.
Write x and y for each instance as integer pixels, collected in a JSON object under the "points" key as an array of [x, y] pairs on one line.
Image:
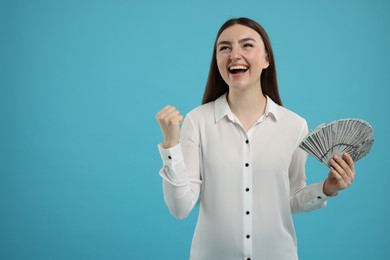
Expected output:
{"points": [[216, 86]]}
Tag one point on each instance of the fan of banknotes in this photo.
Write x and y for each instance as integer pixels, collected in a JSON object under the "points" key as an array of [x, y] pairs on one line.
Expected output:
{"points": [[350, 135]]}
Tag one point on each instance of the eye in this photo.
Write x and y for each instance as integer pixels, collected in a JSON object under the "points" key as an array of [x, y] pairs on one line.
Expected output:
{"points": [[223, 48], [248, 45]]}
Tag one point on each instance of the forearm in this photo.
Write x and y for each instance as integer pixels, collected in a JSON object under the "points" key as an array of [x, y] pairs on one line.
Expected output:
{"points": [[180, 199], [181, 190], [308, 198]]}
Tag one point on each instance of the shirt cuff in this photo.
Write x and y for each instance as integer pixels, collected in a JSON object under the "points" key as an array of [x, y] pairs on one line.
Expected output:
{"points": [[318, 191], [171, 157], [174, 170]]}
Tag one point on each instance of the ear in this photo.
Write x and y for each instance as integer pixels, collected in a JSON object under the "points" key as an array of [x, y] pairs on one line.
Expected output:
{"points": [[266, 62]]}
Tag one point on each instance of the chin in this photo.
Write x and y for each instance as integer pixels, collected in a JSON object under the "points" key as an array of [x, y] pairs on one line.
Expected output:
{"points": [[238, 86]]}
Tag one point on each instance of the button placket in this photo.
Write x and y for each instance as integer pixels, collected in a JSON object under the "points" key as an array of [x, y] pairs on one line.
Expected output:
{"points": [[247, 197]]}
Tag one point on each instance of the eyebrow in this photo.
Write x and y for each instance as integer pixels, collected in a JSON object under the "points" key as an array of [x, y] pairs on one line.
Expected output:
{"points": [[240, 41]]}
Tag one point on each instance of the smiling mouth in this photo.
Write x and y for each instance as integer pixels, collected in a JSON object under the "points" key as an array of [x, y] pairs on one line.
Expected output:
{"points": [[238, 69]]}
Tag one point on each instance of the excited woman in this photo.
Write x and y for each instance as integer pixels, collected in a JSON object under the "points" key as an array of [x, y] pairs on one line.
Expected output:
{"points": [[238, 155]]}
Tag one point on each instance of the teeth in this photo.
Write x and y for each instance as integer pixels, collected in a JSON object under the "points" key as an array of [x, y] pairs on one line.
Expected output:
{"points": [[239, 67]]}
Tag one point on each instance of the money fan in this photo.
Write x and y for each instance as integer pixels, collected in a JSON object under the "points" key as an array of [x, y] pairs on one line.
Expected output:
{"points": [[350, 135]]}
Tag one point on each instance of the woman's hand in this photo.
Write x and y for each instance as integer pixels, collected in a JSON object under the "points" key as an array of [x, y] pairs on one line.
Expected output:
{"points": [[341, 175], [170, 119]]}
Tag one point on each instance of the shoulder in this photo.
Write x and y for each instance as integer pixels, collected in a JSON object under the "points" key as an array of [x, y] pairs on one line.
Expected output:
{"points": [[199, 118], [292, 124], [201, 112], [287, 114], [292, 119]]}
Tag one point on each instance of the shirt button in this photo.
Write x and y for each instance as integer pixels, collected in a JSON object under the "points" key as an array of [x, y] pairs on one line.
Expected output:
{"points": [[319, 197], [247, 212], [169, 157], [248, 236], [247, 141], [247, 189], [248, 258], [247, 164]]}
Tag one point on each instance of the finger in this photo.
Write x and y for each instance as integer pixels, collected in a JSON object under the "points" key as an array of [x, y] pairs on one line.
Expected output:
{"points": [[180, 118], [166, 112], [347, 164], [344, 165], [173, 113], [334, 162], [175, 120], [348, 159], [342, 169], [162, 112], [171, 116], [340, 180]]}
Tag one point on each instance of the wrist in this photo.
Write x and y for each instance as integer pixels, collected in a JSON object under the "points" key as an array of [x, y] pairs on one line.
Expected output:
{"points": [[328, 191], [169, 144]]}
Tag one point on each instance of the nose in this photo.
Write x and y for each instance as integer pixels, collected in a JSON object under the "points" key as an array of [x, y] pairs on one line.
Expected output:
{"points": [[235, 53]]}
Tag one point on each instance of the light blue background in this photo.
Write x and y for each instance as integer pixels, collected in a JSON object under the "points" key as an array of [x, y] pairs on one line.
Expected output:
{"points": [[81, 82]]}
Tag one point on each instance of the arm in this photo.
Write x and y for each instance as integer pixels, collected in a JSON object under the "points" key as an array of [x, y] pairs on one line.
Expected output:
{"points": [[303, 198], [180, 172], [307, 198]]}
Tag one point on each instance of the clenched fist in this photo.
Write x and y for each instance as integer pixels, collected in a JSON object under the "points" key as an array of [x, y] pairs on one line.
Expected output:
{"points": [[170, 119]]}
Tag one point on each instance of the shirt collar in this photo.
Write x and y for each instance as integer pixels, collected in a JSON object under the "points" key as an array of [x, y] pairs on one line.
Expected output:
{"points": [[222, 109]]}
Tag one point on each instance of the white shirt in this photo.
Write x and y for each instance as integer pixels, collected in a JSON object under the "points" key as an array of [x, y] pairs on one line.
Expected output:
{"points": [[248, 183]]}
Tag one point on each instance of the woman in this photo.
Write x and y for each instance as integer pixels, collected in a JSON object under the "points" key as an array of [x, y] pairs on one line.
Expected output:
{"points": [[238, 154]]}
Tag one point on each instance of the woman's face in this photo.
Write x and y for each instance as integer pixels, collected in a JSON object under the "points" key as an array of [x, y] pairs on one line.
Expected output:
{"points": [[241, 57]]}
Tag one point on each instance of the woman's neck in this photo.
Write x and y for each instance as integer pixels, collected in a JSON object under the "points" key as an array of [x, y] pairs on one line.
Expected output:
{"points": [[247, 106]]}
